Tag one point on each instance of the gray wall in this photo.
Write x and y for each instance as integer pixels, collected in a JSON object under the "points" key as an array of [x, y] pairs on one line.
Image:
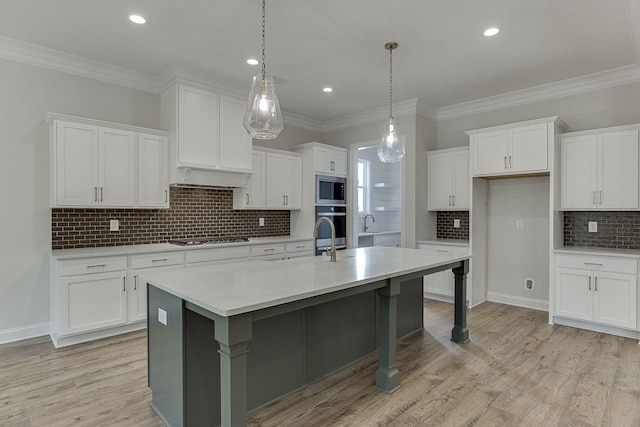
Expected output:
{"points": [[289, 137], [26, 94]]}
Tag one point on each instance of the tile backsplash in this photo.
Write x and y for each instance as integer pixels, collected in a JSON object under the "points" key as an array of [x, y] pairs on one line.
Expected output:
{"points": [[616, 229], [445, 229], [194, 212]]}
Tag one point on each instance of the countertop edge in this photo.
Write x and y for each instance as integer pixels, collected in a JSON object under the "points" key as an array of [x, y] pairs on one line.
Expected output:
{"points": [[577, 250]]}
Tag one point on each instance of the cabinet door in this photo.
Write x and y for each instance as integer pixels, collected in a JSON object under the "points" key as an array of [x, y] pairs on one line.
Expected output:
{"points": [[116, 167], [528, 148], [461, 193], [574, 298], [339, 162], [91, 302], [275, 190], [153, 172], [198, 128], [235, 143], [618, 170], [615, 299], [578, 172], [291, 178], [137, 298], [440, 190], [256, 187], [490, 152], [322, 162], [76, 165]]}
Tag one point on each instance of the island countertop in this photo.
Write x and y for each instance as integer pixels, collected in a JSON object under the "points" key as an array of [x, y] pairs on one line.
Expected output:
{"points": [[236, 288]]}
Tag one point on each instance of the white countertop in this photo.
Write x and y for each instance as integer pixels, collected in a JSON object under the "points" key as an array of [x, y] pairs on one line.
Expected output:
{"points": [[450, 242], [377, 233], [627, 253], [164, 247], [231, 289]]}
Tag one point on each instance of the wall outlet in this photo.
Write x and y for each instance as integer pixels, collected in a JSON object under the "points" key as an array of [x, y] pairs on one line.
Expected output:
{"points": [[519, 224], [261, 222], [114, 225], [593, 226], [162, 316], [456, 223]]}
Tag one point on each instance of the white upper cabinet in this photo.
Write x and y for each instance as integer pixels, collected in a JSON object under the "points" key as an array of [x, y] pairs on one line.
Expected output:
{"points": [[330, 161], [512, 149], [98, 164], [254, 195], [153, 173], [208, 143], [292, 177], [600, 170], [448, 188]]}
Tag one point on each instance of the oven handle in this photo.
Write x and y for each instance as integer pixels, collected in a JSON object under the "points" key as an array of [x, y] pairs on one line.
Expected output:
{"points": [[319, 214], [338, 247]]}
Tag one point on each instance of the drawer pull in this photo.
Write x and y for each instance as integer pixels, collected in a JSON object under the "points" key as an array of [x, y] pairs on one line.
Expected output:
{"points": [[441, 250], [124, 284], [589, 282], [596, 284], [159, 260], [300, 247], [135, 282], [594, 263], [96, 265], [269, 250]]}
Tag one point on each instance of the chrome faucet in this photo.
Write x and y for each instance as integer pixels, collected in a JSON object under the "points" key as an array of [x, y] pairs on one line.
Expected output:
{"points": [[331, 251], [364, 227]]}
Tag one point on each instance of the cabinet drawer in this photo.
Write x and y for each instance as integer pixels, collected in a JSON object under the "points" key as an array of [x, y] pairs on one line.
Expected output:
{"points": [[262, 250], [597, 263], [205, 255], [70, 267], [157, 259], [300, 246], [437, 249], [382, 239]]}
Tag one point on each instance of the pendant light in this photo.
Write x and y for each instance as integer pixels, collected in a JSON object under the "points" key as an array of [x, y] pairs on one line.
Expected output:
{"points": [[391, 149], [263, 119]]}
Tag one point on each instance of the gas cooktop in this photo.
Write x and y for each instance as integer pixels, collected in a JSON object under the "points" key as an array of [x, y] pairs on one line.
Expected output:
{"points": [[194, 241]]}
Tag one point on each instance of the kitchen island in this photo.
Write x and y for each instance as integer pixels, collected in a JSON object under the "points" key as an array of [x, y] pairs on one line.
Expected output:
{"points": [[231, 338]]}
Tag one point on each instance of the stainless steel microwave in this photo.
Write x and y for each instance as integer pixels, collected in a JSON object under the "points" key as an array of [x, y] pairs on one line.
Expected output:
{"points": [[331, 190]]}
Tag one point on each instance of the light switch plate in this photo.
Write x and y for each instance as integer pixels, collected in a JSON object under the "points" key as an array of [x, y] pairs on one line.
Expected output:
{"points": [[114, 225], [261, 222], [593, 226], [456, 223], [162, 316]]}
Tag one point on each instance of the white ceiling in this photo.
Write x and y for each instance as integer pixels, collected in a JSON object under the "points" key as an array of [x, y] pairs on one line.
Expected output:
{"points": [[442, 57]]}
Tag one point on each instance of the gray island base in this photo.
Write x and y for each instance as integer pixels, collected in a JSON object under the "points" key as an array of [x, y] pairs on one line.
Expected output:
{"points": [[228, 339]]}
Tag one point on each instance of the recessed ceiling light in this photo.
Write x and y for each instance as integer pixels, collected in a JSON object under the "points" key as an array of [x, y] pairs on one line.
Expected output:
{"points": [[137, 19], [491, 31], [252, 61], [327, 89]]}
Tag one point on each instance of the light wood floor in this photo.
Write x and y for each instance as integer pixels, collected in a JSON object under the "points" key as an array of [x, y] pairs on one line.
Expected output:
{"points": [[517, 371]]}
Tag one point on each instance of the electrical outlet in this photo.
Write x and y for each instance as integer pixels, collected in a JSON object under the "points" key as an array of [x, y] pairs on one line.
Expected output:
{"points": [[519, 224], [261, 222], [456, 223], [114, 225], [162, 316], [593, 226]]}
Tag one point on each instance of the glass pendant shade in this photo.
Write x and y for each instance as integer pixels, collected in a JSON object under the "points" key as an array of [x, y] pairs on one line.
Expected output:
{"points": [[263, 119], [391, 149]]}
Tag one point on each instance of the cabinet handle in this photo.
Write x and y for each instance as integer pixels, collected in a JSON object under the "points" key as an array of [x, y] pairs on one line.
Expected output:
{"points": [[589, 282], [102, 194], [300, 247], [441, 250], [593, 263], [596, 283], [247, 199], [166, 196], [505, 162], [510, 162], [600, 197], [158, 260], [449, 199], [96, 265], [283, 202], [135, 282], [124, 284], [594, 198], [269, 250], [95, 194], [453, 197]]}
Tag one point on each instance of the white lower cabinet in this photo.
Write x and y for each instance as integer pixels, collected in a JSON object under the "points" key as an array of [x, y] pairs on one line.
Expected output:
{"points": [[440, 286], [600, 290]]}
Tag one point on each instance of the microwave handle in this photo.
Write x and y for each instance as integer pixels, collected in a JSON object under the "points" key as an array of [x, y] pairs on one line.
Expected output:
{"points": [[331, 214]]}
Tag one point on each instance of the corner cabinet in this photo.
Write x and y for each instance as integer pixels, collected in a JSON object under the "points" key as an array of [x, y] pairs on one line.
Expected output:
{"points": [[448, 187], [596, 290], [100, 164], [517, 148], [600, 169], [327, 159]]}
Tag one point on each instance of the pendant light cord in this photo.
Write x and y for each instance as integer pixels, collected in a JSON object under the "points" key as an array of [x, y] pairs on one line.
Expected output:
{"points": [[391, 83], [263, 38]]}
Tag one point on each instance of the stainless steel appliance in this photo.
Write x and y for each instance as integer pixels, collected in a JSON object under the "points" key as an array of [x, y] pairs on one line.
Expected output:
{"points": [[331, 190], [195, 241], [337, 215]]}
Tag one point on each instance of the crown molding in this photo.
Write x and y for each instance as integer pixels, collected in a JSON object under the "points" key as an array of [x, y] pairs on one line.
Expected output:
{"points": [[302, 122], [425, 109], [32, 54], [574, 86], [376, 114]]}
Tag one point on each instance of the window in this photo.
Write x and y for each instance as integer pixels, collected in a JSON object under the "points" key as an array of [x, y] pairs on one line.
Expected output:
{"points": [[363, 186]]}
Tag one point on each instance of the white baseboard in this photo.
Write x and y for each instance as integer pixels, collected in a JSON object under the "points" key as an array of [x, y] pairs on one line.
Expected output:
{"points": [[535, 304], [95, 335], [597, 327], [24, 332]]}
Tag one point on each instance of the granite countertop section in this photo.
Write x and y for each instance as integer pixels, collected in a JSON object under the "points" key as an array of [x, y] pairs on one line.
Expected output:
{"points": [[450, 242], [578, 250], [166, 247], [243, 287], [377, 233]]}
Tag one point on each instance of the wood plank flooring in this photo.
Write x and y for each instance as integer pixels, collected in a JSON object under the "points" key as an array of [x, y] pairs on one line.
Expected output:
{"points": [[517, 371]]}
